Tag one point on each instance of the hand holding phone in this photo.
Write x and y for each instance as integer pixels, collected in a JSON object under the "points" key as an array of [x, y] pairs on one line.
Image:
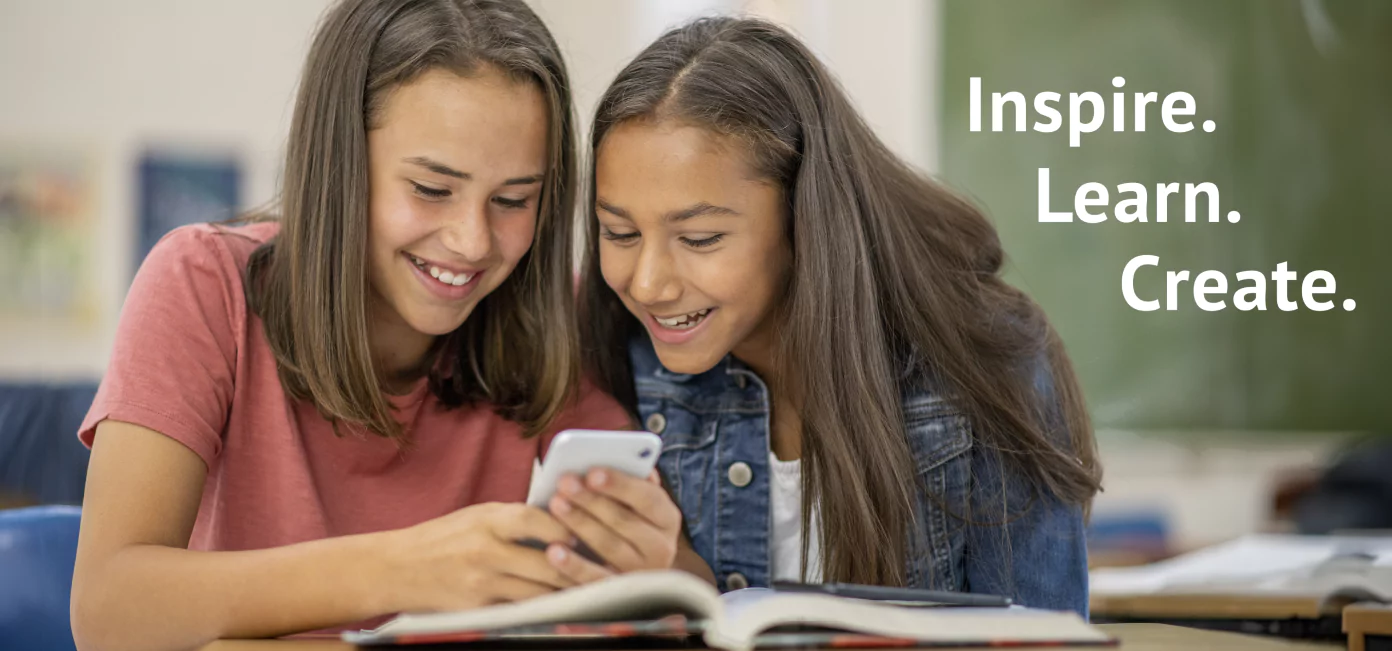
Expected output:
{"points": [[601, 486]]}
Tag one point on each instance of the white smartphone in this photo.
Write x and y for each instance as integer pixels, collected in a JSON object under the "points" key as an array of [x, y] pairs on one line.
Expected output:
{"points": [[577, 451]]}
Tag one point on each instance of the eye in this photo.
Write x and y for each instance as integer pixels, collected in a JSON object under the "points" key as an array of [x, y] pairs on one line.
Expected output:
{"points": [[617, 237], [427, 192], [702, 243], [510, 204]]}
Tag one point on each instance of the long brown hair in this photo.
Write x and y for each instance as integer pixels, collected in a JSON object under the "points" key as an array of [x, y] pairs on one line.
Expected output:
{"points": [[893, 277], [309, 284]]}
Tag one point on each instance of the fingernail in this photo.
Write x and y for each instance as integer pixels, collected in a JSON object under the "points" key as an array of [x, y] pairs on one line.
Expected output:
{"points": [[570, 485], [599, 478], [560, 506], [557, 554]]}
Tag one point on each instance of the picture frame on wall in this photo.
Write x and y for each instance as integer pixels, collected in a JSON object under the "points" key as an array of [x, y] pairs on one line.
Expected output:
{"points": [[48, 214], [179, 188]]}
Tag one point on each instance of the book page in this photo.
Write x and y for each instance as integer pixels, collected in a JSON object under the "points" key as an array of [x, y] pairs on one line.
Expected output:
{"points": [[638, 595], [751, 613], [1250, 560], [738, 602]]}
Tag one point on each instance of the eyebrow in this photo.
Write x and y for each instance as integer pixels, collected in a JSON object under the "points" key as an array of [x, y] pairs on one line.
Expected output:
{"points": [[697, 210], [441, 168]]}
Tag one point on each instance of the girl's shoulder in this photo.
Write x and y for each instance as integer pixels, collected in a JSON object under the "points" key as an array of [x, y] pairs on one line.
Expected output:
{"points": [[202, 263], [228, 244], [208, 258], [182, 336]]}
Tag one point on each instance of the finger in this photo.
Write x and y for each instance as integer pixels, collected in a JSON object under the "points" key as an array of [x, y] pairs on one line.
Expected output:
{"points": [[642, 496], [612, 512], [605, 541], [522, 522], [653, 542], [527, 564], [575, 567], [655, 545]]}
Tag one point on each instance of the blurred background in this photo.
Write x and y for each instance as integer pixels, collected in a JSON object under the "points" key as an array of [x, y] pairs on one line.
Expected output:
{"points": [[122, 120]]}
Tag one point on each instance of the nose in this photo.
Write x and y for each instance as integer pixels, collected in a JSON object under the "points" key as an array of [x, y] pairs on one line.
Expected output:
{"points": [[654, 281], [469, 234]]}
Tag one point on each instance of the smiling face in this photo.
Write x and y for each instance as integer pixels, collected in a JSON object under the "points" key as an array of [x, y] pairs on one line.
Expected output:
{"points": [[693, 243], [456, 165]]}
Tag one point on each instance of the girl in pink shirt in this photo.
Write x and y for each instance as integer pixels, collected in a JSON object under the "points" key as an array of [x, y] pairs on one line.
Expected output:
{"points": [[333, 415]]}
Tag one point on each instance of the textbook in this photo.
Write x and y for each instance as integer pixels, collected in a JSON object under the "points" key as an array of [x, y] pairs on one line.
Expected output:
{"points": [[1288, 585], [1324, 572], [674, 605]]}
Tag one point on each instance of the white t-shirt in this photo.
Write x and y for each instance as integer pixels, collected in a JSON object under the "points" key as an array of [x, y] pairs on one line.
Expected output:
{"points": [[785, 537]]}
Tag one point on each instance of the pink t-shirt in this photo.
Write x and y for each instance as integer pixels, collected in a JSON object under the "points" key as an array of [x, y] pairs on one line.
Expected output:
{"points": [[191, 362]]}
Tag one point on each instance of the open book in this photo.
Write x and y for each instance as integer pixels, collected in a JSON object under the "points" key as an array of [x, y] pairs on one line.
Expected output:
{"points": [[1266, 574], [647, 601]]}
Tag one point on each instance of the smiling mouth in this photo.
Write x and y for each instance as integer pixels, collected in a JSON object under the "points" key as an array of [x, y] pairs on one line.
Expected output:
{"points": [[683, 321], [444, 276]]}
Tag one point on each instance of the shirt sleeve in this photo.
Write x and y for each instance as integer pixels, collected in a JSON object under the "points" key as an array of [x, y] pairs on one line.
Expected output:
{"points": [[174, 359], [1032, 546]]}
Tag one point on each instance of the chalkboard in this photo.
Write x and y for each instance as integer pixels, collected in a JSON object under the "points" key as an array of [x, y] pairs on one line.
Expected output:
{"points": [[1301, 94]]}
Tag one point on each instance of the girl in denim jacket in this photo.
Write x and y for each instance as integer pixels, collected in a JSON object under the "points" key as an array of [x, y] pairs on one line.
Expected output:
{"points": [[846, 388]]}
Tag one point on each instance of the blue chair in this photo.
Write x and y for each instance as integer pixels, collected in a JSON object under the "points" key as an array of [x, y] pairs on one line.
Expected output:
{"points": [[37, 548], [40, 457]]}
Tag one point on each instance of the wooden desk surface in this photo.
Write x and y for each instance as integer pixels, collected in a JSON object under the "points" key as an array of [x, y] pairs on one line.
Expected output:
{"points": [[1151, 607], [1137, 637]]}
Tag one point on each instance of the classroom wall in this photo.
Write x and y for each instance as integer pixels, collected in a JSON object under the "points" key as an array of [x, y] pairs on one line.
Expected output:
{"points": [[108, 79]]}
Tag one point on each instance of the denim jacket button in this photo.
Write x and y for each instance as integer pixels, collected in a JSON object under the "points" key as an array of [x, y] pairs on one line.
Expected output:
{"points": [[656, 423], [736, 581], [740, 475]]}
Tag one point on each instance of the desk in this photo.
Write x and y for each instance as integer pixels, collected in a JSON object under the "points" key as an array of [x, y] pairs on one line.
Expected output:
{"points": [[1368, 626], [1151, 607], [1137, 637]]}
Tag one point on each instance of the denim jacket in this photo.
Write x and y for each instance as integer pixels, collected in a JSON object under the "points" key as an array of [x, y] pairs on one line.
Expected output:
{"points": [[715, 431]]}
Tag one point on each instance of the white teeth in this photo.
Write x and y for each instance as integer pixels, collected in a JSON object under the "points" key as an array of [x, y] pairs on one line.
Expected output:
{"points": [[444, 276], [685, 321]]}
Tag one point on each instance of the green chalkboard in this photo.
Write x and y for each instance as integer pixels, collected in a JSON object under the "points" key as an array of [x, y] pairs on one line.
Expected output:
{"points": [[1301, 94]]}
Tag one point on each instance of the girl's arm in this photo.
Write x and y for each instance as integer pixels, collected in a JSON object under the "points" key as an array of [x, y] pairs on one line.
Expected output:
{"points": [[137, 586]]}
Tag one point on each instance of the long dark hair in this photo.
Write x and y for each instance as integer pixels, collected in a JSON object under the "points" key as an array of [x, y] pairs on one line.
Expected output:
{"points": [[309, 284], [893, 278]]}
